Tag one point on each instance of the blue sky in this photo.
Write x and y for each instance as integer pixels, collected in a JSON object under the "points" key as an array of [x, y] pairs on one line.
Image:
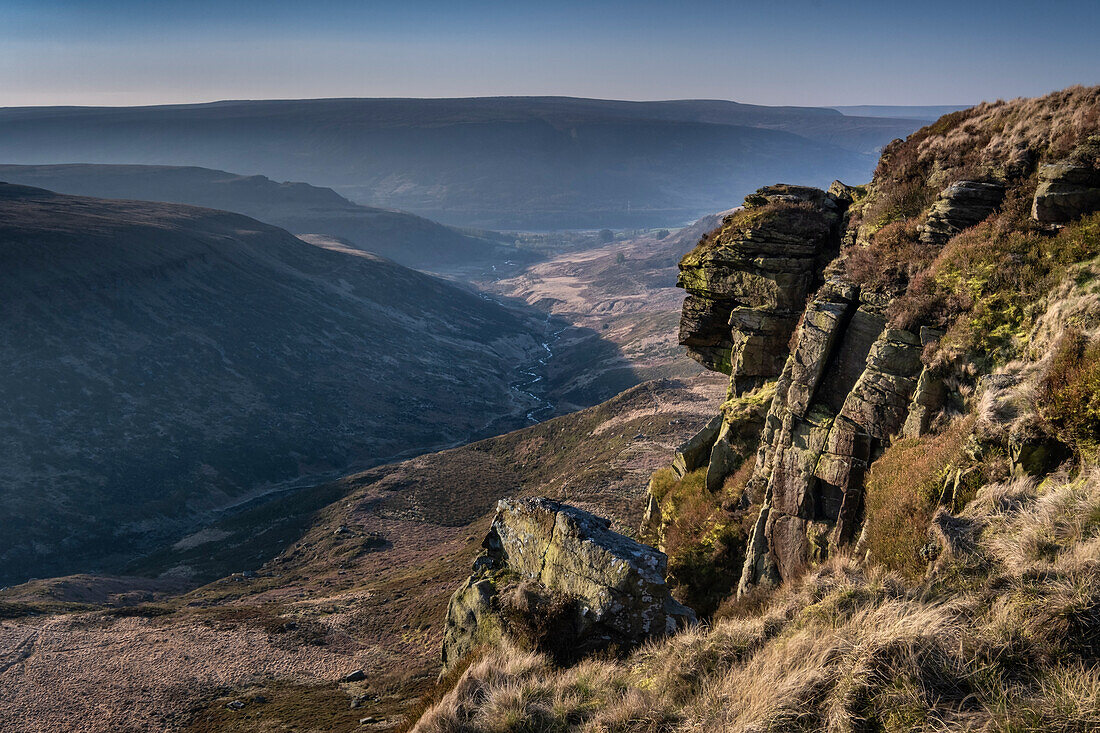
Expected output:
{"points": [[808, 52]]}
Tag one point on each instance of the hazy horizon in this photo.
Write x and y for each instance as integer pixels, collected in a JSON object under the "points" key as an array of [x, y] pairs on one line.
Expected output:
{"points": [[849, 109], [805, 53]]}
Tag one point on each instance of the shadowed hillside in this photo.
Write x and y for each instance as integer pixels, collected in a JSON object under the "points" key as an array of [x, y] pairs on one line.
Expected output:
{"points": [[297, 207], [162, 362]]}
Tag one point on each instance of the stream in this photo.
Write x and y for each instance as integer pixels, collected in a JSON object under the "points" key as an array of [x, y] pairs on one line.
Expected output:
{"points": [[532, 374]]}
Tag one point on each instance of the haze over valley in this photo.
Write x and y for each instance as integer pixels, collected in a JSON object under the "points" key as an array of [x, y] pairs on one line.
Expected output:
{"points": [[426, 367], [494, 163]]}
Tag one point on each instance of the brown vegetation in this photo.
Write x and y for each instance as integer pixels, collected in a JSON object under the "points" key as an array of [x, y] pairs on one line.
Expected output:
{"points": [[853, 648], [1069, 394], [1003, 139], [987, 285], [904, 489]]}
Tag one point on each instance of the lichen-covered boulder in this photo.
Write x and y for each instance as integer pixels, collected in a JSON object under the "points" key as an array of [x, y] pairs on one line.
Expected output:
{"points": [[596, 588]]}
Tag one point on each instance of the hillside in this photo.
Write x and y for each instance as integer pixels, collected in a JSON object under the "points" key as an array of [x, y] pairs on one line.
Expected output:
{"points": [[882, 499], [347, 575], [530, 163], [162, 363], [297, 207], [892, 521]]}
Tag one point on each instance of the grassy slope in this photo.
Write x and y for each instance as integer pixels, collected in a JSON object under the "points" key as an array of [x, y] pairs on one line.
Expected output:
{"points": [[851, 647]]}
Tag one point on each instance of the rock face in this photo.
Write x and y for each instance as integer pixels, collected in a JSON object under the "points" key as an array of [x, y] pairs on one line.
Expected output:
{"points": [[1066, 191], [844, 392], [960, 206], [747, 281], [578, 586], [849, 382]]}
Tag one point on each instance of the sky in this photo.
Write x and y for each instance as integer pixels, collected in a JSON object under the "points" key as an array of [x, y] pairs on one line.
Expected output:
{"points": [[801, 52]]}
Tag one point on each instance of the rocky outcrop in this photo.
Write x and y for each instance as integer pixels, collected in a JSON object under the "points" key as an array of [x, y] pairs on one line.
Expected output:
{"points": [[1066, 191], [695, 451], [845, 391], [748, 280], [849, 385], [561, 580], [960, 206], [852, 381]]}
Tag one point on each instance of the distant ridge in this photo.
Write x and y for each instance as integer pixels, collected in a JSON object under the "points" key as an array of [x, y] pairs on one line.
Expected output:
{"points": [[496, 163], [298, 207], [926, 113]]}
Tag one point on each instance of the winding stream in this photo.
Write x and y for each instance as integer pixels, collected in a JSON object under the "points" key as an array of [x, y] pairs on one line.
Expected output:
{"points": [[532, 374]]}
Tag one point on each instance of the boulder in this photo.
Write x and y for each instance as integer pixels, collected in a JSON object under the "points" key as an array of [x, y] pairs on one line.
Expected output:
{"points": [[843, 194], [960, 206], [1066, 191], [694, 452], [557, 578]]}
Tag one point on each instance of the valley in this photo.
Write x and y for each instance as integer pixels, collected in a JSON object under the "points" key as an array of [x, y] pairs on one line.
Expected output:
{"points": [[261, 433], [141, 376], [349, 575], [233, 573], [567, 352]]}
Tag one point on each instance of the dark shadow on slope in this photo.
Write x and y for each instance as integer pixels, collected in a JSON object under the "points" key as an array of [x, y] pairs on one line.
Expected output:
{"points": [[164, 364]]}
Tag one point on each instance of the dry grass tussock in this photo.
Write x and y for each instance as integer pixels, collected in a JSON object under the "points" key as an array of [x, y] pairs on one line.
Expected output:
{"points": [[1000, 131], [1004, 140], [1002, 635]]}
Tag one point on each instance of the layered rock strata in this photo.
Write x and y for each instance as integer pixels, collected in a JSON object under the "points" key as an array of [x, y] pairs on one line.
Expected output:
{"points": [[847, 383], [960, 206], [1065, 192], [747, 281], [845, 391]]}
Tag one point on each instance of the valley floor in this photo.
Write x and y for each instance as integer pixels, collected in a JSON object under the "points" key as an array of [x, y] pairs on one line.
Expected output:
{"points": [[365, 587]]}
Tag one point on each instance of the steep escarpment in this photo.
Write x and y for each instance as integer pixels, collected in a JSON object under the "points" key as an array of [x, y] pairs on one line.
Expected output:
{"points": [[895, 337], [165, 362], [897, 529]]}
